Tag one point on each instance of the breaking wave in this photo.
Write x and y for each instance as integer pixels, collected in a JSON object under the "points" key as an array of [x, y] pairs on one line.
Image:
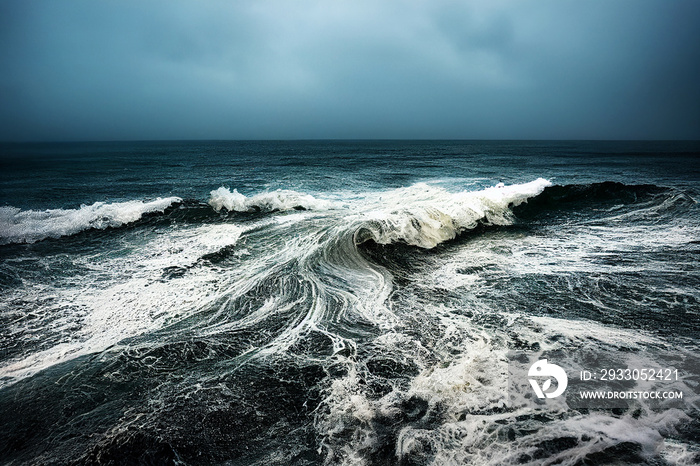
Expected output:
{"points": [[279, 200], [420, 215], [29, 226], [426, 216]]}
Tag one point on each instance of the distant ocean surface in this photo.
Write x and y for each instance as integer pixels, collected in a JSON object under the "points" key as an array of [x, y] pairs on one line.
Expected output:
{"points": [[331, 302]]}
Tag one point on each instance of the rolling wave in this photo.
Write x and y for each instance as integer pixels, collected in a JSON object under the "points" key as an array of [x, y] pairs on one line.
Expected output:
{"points": [[29, 226], [606, 195], [420, 215], [279, 200], [426, 216]]}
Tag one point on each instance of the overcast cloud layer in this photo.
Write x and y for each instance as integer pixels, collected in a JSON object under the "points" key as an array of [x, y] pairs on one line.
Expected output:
{"points": [[539, 69]]}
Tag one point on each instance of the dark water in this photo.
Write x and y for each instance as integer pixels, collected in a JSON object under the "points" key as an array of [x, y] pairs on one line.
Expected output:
{"points": [[340, 302]]}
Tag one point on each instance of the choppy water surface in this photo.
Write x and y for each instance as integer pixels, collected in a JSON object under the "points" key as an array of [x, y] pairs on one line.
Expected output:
{"points": [[339, 302]]}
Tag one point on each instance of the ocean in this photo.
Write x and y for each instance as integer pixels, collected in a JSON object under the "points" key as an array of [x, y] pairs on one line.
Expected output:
{"points": [[349, 302]]}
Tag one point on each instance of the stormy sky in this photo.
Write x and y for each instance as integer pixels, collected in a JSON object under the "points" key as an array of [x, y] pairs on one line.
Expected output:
{"points": [[282, 69]]}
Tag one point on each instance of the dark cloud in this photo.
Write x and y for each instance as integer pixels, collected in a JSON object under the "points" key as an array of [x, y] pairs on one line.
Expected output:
{"points": [[349, 69]]}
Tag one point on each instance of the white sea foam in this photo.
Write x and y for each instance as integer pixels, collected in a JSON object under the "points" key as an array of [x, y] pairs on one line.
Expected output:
{"points": [[134, 299], [465, 397], [29, 226], [279, 200], [462, 363], [457, 364], [425, 216]]}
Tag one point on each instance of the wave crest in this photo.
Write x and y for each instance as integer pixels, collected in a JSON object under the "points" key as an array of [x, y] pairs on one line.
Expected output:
{"points": [[279, 200], [426, 216], [29, 226]]}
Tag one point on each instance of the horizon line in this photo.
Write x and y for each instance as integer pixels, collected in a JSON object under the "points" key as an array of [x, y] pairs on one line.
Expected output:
{"points": [[88, 141]]}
